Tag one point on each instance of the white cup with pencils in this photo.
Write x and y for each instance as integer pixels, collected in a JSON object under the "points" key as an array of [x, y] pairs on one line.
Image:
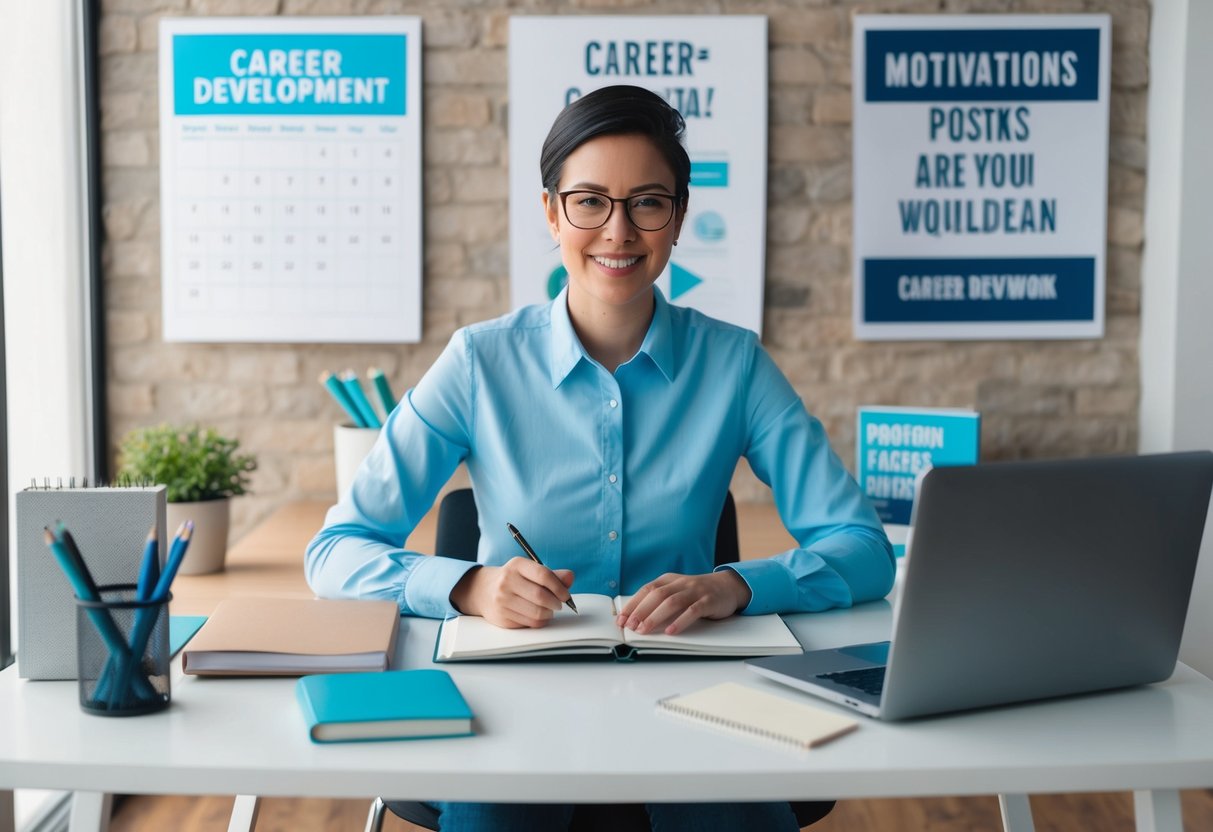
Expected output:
{"points": [[352, 440], [351, 444]]}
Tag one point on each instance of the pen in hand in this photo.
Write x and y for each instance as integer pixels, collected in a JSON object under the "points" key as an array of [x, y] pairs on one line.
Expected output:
{"points": [[530, 553]]}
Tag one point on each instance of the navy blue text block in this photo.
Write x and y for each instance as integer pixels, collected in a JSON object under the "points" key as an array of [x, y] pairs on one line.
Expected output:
{"points": [[955, 290], [982, 65]]}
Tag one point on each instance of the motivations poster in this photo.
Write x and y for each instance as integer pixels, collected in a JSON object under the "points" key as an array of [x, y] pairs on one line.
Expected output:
{"points": [[713, 69], [980, 184]]}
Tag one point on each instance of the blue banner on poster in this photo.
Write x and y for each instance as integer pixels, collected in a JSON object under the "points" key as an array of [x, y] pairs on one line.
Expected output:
{"points": [[289, 75], [710, 174], [907, 290], [982, 65]]}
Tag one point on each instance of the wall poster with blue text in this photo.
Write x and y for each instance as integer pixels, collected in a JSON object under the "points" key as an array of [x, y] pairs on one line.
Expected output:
{"points": [[980, 175], [713, 70], [290, 179]]}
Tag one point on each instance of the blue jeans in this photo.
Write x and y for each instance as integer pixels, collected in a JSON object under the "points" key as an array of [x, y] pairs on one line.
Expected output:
{"points": [[664, 817]]}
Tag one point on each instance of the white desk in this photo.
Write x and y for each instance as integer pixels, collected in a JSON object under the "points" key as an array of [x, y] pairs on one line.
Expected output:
{"points": [[589, 732]]}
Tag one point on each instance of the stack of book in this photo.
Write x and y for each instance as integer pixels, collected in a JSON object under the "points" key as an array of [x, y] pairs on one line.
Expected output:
{"points": [[293, 636]]}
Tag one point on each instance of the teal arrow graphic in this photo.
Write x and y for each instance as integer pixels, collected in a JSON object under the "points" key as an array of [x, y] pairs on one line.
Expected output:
{"points": [[556, 281], [681, 280]]}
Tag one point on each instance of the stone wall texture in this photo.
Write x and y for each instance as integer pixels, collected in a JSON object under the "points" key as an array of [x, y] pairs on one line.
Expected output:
{"points": [[1037, 398]]}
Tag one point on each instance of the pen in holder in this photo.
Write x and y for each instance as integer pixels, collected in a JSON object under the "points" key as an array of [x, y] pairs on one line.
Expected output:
{"points": [[122, 652]]}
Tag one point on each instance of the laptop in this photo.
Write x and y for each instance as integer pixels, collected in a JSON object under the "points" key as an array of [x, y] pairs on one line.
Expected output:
{"points": [[1028, 580]]}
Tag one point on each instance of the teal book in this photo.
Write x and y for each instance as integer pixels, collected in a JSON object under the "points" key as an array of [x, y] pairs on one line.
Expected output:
{"points": [[895, 446], [387, 705]]}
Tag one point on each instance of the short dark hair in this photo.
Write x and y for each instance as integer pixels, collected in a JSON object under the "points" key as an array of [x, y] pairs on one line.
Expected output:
{"points": [[613, 111]]}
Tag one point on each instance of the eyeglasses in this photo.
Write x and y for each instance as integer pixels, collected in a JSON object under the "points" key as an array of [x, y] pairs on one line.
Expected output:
{"points": [[588, 210]]}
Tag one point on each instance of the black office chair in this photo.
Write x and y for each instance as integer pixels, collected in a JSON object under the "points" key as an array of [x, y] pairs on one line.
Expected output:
{"points": [[458, 536]]}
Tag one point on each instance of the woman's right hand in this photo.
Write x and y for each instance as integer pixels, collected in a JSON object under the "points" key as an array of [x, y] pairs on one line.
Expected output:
{"points": [[520, 594]]}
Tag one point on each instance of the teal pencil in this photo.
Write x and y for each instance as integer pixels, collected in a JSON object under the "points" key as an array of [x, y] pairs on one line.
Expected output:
{"points": [[176, 554], [85, 590], [379, 380], [149, 569], [114, 662], [354, 389], [145, 617], [337, 390], [86, 587], [63, 547]]}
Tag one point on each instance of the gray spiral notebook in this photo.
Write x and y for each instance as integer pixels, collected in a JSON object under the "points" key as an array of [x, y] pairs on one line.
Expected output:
{"points": [[110, 526]]}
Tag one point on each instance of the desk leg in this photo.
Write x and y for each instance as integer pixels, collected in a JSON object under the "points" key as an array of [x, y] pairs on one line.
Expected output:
{"points": [[1158, 811], [244, 813], [90, 812], [1016, 813], [8, 811]]}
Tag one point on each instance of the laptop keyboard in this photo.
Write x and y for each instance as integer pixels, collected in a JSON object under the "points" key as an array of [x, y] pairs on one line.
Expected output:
{"points": [[870, 680]]}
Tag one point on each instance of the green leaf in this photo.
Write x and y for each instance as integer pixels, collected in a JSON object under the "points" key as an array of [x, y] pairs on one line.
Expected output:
{"points": [[194, 463]]}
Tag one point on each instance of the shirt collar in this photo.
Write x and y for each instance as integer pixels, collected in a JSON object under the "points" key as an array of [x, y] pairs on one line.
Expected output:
{"points": [[658, 343], [567, 351], [566, 346]]}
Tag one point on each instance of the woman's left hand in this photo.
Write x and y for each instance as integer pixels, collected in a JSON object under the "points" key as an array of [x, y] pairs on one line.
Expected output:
{"points": [[676, 601]]}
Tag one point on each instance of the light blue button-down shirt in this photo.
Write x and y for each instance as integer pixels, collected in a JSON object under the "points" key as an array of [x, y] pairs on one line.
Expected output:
{"points": [[620, 477]]}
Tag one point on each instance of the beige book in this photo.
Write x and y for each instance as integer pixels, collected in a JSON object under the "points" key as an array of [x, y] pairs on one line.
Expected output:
{"points": [[594, 631], [292, 637], [760, 714]]}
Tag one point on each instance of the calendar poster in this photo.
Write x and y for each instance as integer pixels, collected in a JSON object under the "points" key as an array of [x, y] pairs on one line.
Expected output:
{"points": [[713, 70], [290, 179]]}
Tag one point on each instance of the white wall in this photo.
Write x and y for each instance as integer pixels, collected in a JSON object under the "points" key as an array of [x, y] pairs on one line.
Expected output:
{"points": [[1177, 292], [45, 290]]}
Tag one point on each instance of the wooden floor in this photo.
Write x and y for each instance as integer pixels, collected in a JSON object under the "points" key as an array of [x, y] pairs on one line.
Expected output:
{"points": [[1054, 813]]}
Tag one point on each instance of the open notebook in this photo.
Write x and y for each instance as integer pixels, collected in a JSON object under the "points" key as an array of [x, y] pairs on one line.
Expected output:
{"points": [[594, 632]]}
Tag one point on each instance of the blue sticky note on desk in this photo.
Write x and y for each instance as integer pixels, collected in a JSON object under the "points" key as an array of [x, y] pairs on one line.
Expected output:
{"points": [[181, 629]]}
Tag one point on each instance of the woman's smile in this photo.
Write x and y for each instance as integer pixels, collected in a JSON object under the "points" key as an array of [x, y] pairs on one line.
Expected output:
{"points": [[617, 264]]}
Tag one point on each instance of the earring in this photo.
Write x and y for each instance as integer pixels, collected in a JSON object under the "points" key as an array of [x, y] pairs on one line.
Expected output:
{"points": [[675, 242]]}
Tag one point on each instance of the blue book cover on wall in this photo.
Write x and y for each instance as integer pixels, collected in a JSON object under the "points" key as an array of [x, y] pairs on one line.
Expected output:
{"points": [[896, 445], [384, 705]]}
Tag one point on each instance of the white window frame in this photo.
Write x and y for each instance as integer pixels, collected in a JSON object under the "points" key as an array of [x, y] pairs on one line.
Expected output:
{"points": [[46, 271]]}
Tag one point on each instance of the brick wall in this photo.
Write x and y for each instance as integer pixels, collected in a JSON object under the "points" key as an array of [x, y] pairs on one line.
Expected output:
{"points": [[1036, 398]]}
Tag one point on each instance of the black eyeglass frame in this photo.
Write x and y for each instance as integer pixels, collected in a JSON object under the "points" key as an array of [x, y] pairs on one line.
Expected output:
{"points": [[564, 196]]}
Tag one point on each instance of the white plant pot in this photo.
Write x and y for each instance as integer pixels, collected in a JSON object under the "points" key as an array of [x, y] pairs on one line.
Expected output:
{"points": [[208, 543]]}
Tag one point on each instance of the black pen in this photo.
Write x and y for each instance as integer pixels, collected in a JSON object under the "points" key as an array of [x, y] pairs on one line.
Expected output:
{"points": [[530, 553]]}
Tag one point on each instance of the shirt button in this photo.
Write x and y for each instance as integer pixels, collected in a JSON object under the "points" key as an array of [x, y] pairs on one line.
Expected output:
{"points": [[612, 478], [613, 535], [612, 584], [614, 403]]}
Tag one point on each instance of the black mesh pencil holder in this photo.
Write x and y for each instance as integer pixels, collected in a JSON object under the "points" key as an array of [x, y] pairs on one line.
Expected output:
{"points": [[122, 652]]}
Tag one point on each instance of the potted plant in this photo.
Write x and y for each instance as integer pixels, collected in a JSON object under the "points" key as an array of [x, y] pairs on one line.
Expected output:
{"points": [[201, 471]]}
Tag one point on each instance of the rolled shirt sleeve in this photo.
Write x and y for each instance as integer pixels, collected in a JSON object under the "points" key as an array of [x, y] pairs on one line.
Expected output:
{"points": [[844, 556], [359, 553]]}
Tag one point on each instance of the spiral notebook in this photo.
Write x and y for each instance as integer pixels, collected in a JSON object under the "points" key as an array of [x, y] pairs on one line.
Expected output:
{"points": [[110, 524], [755, 712]]}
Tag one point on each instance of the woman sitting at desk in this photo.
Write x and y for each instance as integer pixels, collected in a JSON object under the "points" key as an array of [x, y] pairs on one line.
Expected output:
{"points": [[606, 425]]}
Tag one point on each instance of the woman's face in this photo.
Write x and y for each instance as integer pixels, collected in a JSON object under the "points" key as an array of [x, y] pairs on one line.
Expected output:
{"points": [[613, 265]]}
